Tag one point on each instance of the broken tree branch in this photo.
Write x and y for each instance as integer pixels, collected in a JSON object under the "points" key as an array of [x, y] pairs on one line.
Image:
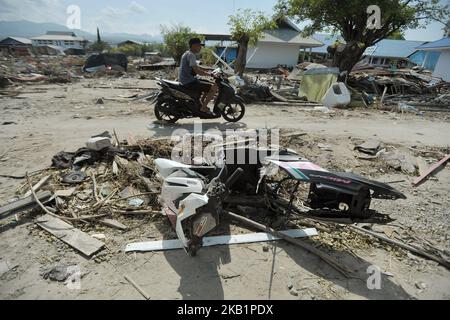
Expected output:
{"points": [[38, 185], [137, 212], [416, 250], [36, 199], [94, 181], [117, 138], [137, 287], [23, 176]]}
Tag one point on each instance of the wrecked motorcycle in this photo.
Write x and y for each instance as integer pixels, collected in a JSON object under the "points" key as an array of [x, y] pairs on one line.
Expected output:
{"points": [[195, 197], [175, 102]]}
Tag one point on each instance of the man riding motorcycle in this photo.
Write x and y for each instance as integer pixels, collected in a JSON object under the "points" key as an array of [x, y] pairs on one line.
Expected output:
{"points": [[189, 70]]}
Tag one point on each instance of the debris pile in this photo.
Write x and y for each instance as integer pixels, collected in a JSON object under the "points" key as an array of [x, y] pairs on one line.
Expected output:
{"points": [[403, 90], [110, 180], [93, 185], [154, 65], [50, 69]]}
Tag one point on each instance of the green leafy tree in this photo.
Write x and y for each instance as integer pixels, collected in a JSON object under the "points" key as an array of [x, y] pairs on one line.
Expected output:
{"points": [[207, 56], [350, 19], [135, 50], [176, 39], [247, 27], [397, 35]]}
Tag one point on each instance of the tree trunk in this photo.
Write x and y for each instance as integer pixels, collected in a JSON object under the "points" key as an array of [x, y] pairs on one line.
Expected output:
{"points": [[241, 59], [345, 56]]}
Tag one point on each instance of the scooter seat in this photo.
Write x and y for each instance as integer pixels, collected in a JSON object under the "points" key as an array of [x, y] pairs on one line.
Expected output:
{"points": [[178, 86], [173, 84]]}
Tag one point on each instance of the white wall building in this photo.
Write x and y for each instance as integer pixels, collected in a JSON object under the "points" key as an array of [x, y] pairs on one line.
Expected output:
{"points": [[62, 40], [280, 46], [441, 50]]}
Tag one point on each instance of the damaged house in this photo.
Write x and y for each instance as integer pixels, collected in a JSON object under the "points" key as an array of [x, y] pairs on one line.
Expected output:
{"points": [[129, 43], [390, 52], [280, 46], [61, 41], [434, 56], [15, 45]]}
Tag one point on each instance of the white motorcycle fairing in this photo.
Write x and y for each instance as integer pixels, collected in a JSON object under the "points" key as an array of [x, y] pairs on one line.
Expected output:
{"points": [[188, 208], [179, 185], [175, 187], [167, 167]]}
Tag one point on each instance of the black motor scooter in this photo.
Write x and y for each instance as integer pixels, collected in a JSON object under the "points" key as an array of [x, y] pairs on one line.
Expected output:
{"points": [[175, 102]]}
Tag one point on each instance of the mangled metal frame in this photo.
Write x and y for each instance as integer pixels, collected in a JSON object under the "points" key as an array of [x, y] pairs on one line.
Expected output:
{"points": [[196, 197]]}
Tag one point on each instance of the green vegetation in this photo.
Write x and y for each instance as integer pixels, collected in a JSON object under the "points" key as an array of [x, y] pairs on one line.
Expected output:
{"points": [[246, 28], [176, 39], [350, 19]]}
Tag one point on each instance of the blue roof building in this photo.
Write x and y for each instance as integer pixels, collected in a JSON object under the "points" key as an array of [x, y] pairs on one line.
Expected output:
{"points": [[384, 53], [436, 45], [434, 56], [388, 51]]}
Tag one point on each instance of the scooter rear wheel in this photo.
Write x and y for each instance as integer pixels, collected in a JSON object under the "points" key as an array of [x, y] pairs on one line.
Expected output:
{"points": [[234, 112], [162, 112]]}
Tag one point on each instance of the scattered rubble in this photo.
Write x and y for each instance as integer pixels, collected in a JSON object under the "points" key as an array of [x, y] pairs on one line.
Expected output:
{"points": [[105, 183], [59, 273], [400, 161], [50, 69]]}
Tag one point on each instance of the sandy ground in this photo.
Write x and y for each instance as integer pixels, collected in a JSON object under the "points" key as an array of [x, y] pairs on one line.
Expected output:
{"points": [[63, 117]]}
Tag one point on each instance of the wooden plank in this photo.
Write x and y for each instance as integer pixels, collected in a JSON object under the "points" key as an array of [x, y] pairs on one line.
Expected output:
{"points": [[75, 238], [65, 193], [24, 204], [113, 224], [38, 186], [226, 65], [430, 171], [278, 97], [219, 240]]}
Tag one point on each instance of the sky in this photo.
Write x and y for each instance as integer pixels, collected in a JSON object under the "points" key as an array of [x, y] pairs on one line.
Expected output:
{"points": [[146, 16]]}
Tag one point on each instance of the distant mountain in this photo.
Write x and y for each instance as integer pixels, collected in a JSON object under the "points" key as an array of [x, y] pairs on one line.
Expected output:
{"points": [[119, 37], [29, 29]]}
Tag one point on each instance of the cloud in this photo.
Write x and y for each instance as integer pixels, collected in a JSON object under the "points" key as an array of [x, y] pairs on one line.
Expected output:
{"points": [[125, 18], [33, 10], [113, 19], [137, 8]]}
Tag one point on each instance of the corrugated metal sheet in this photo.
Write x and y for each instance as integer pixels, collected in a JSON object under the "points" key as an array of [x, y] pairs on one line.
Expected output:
{"points": [[15, 41], [290, 36], [58, 38], [440, 44], [393, 48], [327, 40], [385, 48]]}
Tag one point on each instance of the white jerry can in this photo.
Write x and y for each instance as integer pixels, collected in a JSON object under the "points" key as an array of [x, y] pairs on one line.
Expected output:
{"points": [[337, 96]]}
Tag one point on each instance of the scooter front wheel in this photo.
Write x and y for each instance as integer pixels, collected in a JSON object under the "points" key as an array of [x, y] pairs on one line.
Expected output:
{"points": [[234, 112], [162, 112]]}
